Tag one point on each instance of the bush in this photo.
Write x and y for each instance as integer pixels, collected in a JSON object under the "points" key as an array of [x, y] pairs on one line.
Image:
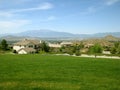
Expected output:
{"points": [[113, 50], [77, 53], [70, 52], [14, 51]]}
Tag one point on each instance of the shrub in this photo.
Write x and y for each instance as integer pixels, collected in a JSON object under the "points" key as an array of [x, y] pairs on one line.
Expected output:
{"points": [[14, 51], [70, 52], [77, 53]]}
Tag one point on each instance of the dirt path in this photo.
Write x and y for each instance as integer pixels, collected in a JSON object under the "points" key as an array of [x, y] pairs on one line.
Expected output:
{"points": [[92, 56]]}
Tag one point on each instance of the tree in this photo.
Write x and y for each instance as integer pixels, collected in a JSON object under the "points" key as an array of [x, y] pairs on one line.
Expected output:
{"points": [[69, 51], [96, 49], [4, 45], [77, 48], [113, 50], [116, 44], [116, 48], [44, 47]]}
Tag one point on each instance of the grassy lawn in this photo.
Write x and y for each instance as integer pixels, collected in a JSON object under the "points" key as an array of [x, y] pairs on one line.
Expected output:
{"points": [[49, 72]]}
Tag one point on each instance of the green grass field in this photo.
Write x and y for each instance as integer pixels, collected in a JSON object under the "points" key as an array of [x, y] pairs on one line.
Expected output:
{"points": [[49, 72]]}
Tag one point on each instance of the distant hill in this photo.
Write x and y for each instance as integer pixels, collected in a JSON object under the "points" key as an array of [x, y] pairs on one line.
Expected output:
{"points": [[115, 34], [56, 35], [45, 33], [111, 38], [50, 33], [14, 38]]}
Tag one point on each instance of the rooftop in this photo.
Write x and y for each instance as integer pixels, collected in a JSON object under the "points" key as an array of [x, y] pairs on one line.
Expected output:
{"points": [[27, 42]]}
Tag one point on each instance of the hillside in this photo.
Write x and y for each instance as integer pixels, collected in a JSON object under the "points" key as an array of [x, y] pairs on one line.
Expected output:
{"points": [[111, 38]]}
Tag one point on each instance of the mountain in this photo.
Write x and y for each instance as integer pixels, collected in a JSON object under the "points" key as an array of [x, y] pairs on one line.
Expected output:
{"points": [[14, 38], [45, 33], [115, 34], [49, 34]]}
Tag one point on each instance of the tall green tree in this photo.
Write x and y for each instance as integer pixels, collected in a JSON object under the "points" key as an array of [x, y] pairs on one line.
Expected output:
{"points": [[96, 49], [4, 45], [44, 47]]}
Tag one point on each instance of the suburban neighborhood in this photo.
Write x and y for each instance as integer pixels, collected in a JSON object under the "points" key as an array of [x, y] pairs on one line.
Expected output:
{"points": [[59, 44], [108, 45]]}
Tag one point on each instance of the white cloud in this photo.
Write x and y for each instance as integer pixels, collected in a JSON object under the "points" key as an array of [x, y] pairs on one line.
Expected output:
{"points": [[43, 6], [111, 2], [6, 14], [15, 2], [11, 13], [14, 23], [20, 1], [89, 10], [9, 25], [94, 9], [51, 18]]}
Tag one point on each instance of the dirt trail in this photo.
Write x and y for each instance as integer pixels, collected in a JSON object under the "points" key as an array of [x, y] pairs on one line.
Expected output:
{"points": [[92, 56]]}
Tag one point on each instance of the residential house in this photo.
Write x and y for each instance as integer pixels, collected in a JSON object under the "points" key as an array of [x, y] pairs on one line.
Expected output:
{"points": [[66, 44], [27, 46], [54, 45], [26, 51], [88, 45]]}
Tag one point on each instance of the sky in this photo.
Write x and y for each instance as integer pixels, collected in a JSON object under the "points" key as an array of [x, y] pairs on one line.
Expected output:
{"points": [[73, 16]]}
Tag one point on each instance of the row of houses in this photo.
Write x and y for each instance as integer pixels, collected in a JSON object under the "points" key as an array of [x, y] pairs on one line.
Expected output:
{"points": [[27, 46]]}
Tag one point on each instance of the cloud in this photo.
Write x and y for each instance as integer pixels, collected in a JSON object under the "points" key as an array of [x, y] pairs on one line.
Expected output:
{"points": [[111, 2], [6, 14], [43, 6], [20, 1], [14, 23], [94, 9], [15, 2], [11, 13], [8, 25], [89, 10], [51, 18], [47, 19]]}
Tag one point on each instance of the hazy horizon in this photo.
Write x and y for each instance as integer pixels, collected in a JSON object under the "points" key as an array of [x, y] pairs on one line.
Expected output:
{"points": [[57, 31], [77, 17]]}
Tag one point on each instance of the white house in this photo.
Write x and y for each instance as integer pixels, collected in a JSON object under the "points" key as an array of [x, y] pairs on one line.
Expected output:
{"points": [[54, 45], [88, 45], [57, 45], [27, 46], [66, 43], [26, 51]]}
